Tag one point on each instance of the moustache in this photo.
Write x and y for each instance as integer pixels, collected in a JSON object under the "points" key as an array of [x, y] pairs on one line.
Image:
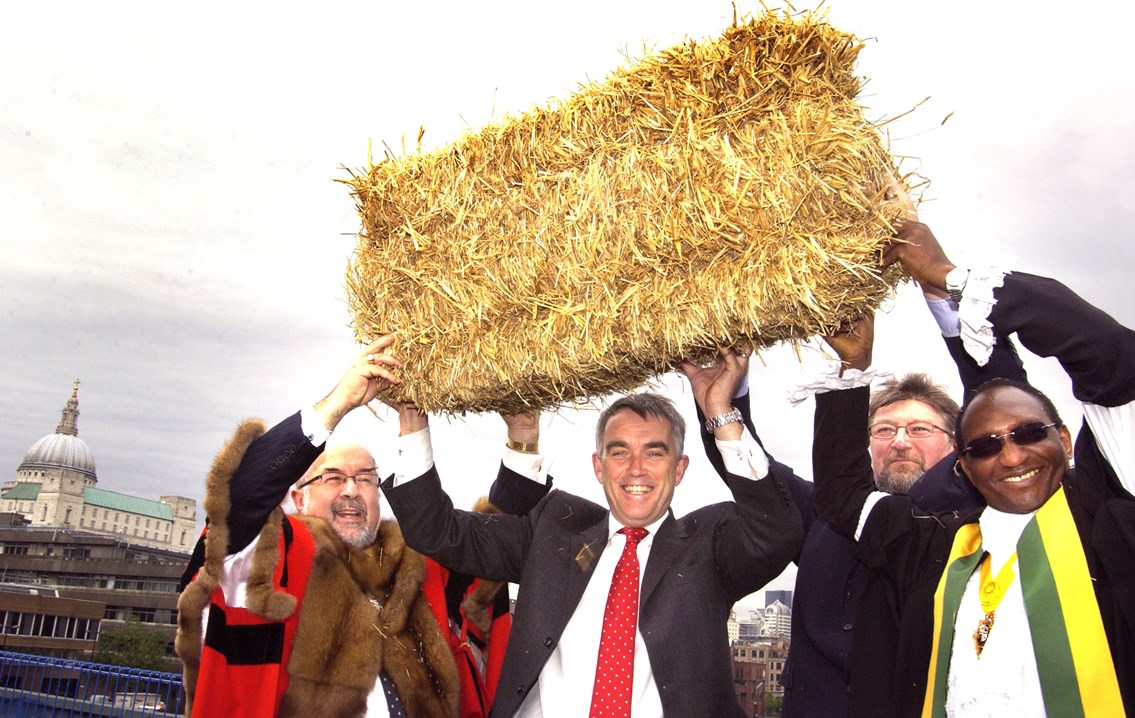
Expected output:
{"points": [[347, 502], [903, 454]]}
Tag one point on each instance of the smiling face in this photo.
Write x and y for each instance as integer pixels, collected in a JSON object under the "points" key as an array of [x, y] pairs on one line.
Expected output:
{"points": [[1018, 479], [639, 467], [353, 511], [901, 461]]}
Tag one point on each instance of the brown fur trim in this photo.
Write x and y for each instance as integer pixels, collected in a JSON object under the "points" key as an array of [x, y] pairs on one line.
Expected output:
{"points": [[193, 600], [343, 641], [476, 604], [217, 502], [420, 646], [338, 650], [262, 597]]}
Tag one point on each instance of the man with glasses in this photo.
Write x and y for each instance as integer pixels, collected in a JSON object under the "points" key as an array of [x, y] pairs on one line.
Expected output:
{"points": [[1026, 607], [326, 612], [909, 433]]}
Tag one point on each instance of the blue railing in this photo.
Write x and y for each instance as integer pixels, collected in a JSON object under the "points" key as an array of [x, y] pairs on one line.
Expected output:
{"points": [[43, 687]]}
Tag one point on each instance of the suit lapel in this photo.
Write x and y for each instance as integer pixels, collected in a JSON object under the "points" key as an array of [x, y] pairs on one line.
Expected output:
{"points": [[586, 547], [663, 550]]}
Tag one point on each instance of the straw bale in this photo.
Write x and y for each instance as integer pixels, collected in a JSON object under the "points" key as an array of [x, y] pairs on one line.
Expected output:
{"points": [[717, 193]]}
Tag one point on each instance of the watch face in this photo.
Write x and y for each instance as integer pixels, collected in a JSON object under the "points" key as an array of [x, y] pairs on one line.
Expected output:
{"points": [[956, 278]]}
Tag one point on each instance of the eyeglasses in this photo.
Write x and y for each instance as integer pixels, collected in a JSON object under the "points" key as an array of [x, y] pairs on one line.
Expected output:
{"points": [[985, 446], [337, 480], [915, 430]]}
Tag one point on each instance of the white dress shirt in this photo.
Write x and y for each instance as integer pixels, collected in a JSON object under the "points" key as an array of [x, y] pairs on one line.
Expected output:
{"points": [[566, 681]]}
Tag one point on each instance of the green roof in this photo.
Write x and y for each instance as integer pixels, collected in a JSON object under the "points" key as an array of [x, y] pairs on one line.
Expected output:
{"points": [[23, 491], [132, 504]]}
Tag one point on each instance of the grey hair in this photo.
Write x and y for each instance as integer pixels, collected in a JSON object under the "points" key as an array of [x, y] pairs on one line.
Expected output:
{"points": [[915, 386], [646, 405]]}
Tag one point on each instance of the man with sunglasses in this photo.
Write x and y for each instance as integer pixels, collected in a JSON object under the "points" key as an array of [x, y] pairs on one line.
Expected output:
{"points": [[1026, 607], [910, 429], [327, 612]]}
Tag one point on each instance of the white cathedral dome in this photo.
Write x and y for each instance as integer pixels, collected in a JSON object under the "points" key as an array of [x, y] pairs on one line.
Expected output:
{"points": [[63, 449]]}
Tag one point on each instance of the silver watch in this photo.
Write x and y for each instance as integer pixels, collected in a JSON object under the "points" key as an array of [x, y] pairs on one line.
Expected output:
{"points": [[723, 419], [956, 280]]}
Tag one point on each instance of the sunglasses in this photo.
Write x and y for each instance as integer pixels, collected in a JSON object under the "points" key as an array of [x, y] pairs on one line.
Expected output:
{"points": [[985, 446]]}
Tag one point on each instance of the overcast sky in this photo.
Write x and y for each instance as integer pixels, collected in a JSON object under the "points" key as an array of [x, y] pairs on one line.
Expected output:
{"points": [[171, 232]]}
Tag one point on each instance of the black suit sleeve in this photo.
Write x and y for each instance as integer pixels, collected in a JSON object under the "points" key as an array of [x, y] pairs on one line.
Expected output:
{"points": [[841, 461], [1052, 320], [1004, 363], [492, 546], [767, 535], [516, 494], [800, 489], [267, 471]]}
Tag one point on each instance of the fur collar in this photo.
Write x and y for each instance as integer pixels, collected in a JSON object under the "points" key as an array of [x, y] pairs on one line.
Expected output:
{"points": [[362, 613]]}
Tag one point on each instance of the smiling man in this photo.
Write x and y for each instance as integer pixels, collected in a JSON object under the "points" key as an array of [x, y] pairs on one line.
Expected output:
{"points": [[1026, 607], [637, 460], [341, 488], [628, 588], [326, 612]]}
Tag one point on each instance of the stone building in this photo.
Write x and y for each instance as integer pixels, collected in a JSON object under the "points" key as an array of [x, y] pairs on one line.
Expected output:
{"points": [[777, 621], [77, 560], [751, 683], [56, 486]]}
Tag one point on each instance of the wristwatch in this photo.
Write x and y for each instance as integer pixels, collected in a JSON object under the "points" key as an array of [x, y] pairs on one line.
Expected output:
{"points": [[956, 280], [723, 419]]}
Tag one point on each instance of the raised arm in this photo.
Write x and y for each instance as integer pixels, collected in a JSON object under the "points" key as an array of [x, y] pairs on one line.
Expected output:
{"points": [[1096, 351], [768, 532], [516, 492], [841, 461], [272, 463], [1048, 318]]}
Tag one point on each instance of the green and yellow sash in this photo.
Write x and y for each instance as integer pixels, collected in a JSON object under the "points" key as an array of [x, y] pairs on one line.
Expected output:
{"points": [[1077, 677]]}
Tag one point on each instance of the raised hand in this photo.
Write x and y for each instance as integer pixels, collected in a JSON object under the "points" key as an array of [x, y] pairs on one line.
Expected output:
{"points": [[854, 343], [920, 254], [715, 386], [364, 376], [523, 428]]}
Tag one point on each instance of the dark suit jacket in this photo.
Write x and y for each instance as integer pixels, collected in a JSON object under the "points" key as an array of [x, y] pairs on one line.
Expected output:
{"points": [[906, 550], [699, 566], [830, 581]]}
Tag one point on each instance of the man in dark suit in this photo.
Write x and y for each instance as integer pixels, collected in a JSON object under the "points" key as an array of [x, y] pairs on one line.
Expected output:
{"points": [[564, 553], [909, 431], [1024, 607]]}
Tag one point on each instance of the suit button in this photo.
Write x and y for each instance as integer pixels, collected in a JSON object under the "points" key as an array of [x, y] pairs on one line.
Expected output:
{"points": [[520, 690], [548, 642]]}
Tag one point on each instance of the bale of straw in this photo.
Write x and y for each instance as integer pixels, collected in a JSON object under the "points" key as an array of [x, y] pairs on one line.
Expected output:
{"points": [[717, 193]]}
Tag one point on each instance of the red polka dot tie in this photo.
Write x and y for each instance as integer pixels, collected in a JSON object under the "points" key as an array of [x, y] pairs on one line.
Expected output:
{"points": [[615, 670]]}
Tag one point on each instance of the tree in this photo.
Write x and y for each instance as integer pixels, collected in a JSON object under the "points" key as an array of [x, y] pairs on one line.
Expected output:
{"points": [[134, 645], [773, 704]]}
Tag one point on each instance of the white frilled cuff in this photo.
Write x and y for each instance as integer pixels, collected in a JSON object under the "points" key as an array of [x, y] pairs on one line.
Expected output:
{"points": [[832, 381], [974, 309]]}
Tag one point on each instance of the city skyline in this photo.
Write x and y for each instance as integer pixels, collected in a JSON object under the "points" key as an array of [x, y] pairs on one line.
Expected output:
{"points": [[175, 239]]}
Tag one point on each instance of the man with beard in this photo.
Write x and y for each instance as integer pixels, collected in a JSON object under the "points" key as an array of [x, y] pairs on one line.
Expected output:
{"points": [[327, 612], [1022, 607], [911, 426], [909, 432]]}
